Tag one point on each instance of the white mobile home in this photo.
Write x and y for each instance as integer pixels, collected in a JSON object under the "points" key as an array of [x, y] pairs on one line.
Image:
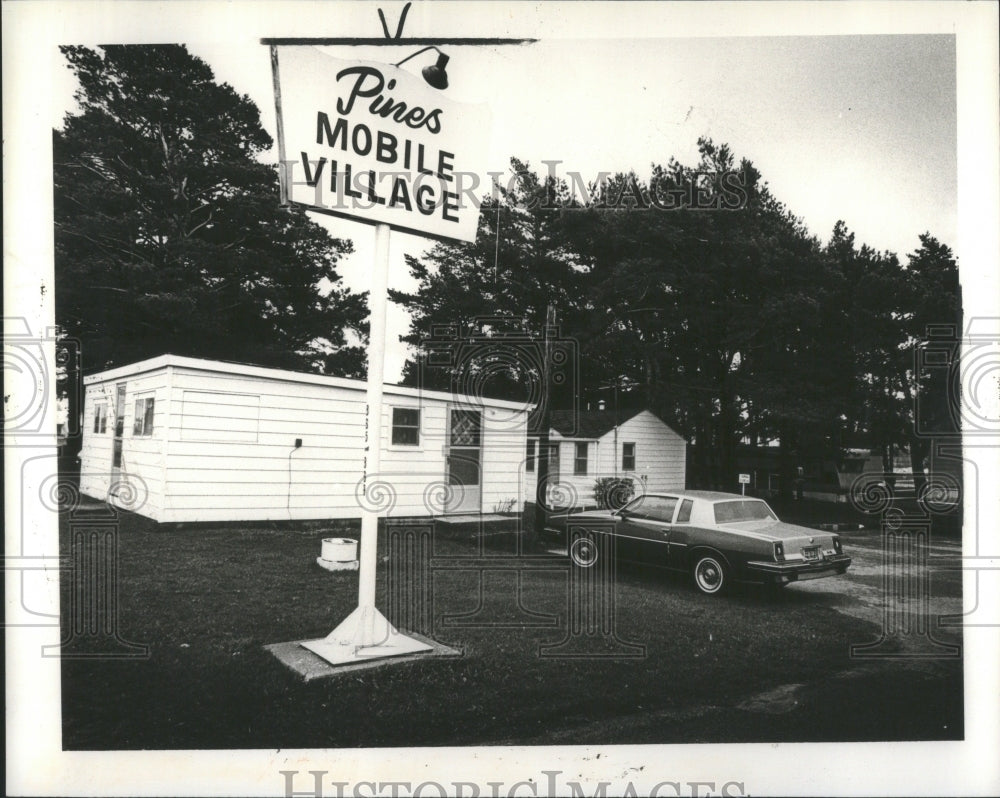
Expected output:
{"points": [[591, 444], [180, 439]]}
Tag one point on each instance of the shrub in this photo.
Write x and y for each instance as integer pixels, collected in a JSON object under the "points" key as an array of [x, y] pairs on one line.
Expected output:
{"points": [[613, 493]]}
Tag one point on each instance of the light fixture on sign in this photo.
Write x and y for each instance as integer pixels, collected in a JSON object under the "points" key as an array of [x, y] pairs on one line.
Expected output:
{"points": [[433, 74]]}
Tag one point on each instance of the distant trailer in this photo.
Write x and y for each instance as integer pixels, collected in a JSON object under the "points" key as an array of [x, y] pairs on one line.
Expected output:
{"points": [[181, 439]]}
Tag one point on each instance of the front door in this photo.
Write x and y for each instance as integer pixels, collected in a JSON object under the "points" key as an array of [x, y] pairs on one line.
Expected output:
{"points": [[116, 452], [464, 461]]}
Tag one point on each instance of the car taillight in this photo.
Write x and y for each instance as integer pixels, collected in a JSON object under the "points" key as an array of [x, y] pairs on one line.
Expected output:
{"points": [[837, 547], [779, 551]]}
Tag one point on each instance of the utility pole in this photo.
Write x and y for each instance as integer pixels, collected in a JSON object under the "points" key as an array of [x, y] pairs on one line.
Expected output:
{"points": [[617, 419], [541, 514]]}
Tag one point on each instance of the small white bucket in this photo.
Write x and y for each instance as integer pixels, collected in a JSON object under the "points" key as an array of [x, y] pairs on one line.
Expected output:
{"points": [[339, 550]]}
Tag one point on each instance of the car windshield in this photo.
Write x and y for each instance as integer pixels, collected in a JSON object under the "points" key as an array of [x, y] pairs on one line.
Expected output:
{"points": [[742, 510]]}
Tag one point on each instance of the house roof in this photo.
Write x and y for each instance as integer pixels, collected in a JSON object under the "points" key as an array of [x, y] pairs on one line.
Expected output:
{"points": [[284, 375], [588, 423]]}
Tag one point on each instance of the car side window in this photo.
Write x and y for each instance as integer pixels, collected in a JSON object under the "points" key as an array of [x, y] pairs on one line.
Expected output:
{"points": [[659, 508], [635, 507], [684, 516]]}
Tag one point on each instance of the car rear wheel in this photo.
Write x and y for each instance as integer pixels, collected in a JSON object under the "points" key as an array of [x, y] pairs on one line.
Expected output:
{"points": [[710, 573]]}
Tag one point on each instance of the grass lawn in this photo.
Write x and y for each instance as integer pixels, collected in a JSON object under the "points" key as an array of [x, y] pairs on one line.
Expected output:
{"points": [[206, 601]]}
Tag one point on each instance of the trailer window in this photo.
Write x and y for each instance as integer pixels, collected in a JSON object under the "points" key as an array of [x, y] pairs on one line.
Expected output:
{"points": [[101, 417], [142, 424], [405, 426]]}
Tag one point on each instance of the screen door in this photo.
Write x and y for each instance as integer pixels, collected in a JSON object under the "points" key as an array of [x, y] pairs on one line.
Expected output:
{"points": [[116, 456], [464, 461]]}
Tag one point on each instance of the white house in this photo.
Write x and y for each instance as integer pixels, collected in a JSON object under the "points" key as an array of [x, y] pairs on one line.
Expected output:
{"points": [[180, 439], [592, 444]]}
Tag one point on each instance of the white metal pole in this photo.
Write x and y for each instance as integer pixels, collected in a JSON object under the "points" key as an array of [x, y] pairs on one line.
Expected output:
{"points": [[368, 557]]}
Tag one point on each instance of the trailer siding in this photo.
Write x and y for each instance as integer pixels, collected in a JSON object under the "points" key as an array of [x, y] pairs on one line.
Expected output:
{"points": [[138, 484], [225, 445]]}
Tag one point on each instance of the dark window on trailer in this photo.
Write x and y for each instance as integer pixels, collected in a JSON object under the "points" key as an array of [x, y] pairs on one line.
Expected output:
{"points": [[580, 459], [101, 417], [405, 426], [628, 457], [530, 461], [142, 424]]}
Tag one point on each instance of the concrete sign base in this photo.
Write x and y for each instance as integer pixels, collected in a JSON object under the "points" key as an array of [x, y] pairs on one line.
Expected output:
{"points": [[345, 644], [310, 665]]}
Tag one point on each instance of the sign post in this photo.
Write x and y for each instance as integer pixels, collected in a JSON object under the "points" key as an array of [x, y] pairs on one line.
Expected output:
{"points": [[744, 481], [373, 143], [366, 633]]}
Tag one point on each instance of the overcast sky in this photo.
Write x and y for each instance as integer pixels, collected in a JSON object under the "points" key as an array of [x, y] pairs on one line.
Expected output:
{"points": [[860, 128]]}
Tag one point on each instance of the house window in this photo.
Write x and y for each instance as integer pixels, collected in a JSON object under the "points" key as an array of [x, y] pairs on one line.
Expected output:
{"points": [[101, 417], [628, 457], [530, 461], [405, 426], [142, 425], [580, 459]]}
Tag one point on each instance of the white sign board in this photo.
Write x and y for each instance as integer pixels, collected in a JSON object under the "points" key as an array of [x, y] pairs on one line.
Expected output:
{"points": [[376, 143], [744, 479]]}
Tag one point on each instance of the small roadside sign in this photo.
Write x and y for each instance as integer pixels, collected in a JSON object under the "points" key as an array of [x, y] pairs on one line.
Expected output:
{"points": [[744, 481]]}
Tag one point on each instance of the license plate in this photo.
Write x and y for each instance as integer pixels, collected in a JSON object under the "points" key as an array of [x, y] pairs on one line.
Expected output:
{"points": [[811, 553]]}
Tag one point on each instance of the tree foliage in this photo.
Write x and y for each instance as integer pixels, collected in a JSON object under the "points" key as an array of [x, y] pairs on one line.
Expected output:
{"points": [[729, 320], [495, 289], [168, 232]]}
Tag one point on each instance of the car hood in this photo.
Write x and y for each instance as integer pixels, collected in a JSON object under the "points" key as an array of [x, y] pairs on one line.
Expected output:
{"points": [[775, 530]]}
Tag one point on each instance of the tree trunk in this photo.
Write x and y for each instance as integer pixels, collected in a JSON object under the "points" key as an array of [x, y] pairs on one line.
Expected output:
{"points": [[69, 453], [919, 451], [541, 508], [786, 465], [727, 442]]}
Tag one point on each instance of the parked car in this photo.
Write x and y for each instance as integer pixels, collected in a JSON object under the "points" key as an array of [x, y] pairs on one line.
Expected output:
{"points": [[716, 537]]}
